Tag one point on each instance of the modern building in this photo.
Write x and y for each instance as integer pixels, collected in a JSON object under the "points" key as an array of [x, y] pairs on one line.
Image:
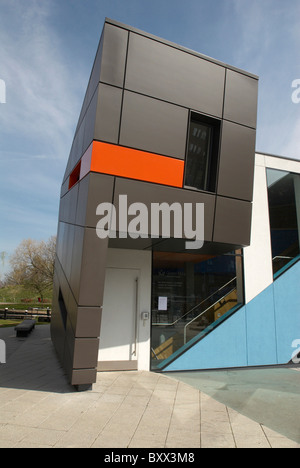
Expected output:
{"points": [[164, 126]]}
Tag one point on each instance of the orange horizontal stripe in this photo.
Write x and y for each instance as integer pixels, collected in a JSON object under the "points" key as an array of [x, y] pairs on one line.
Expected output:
{"points": [[135, 164]]}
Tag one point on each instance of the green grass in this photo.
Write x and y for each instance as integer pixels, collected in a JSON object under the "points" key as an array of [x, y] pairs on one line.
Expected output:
{"points": [[22, 298]]}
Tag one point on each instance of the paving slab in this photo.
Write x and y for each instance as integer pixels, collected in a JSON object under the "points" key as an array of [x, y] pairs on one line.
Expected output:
{"points": [[258, 400], [126, 410]]}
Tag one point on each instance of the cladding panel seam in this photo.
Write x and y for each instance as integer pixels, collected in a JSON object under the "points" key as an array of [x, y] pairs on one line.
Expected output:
{"points": [[179, 47]]}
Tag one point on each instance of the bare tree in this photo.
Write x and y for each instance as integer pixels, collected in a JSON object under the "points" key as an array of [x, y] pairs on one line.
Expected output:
{"points": [[32, 264]]}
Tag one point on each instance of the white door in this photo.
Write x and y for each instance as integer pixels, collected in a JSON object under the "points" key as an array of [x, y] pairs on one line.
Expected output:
{"points": [[119, 324]]}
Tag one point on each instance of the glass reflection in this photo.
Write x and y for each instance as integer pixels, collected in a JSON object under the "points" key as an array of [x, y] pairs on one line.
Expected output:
{"points": [[190, 294], [284, 210]]}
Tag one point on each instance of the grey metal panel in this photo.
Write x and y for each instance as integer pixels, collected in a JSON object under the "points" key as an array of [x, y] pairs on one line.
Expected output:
{"points": [[68, 205], [56, 328], [76, 150], [88, 322], [93, 189], [85, 353], [241, 99], [152, 193], [60, 240], [68, 249], [76, 261], [92, 274], [89, 122], [72, 311], [114, 55], [232, 221], [167, 73], [236, 170], [83, 376], [152, 125], [64, 188], [132, 244], [108, 113], [176, 46], [95, 75]]}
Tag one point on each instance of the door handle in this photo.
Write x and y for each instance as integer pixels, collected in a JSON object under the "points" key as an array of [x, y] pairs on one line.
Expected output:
{"points": [[136, 315]]}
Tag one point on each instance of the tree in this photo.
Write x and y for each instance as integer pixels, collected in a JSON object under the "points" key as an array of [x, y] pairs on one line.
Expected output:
{"points": [[32, 264]]}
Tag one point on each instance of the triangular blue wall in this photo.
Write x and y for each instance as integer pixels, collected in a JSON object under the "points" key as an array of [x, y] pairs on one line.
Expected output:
{"points": [[260, 333]]}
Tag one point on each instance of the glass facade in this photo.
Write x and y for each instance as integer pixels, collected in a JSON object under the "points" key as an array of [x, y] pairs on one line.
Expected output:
{"points": [[284, 209], [190, 294]]}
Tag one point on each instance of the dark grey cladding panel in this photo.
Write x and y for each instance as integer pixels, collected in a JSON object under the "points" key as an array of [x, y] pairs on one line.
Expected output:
{"points": [[93, 189], [77, 261], [76, 150], [167, 73], [108, 113], [146, 193], [232, 221], [113, 55], [92, 273], [236, 171], [83, 378], [88, 322], [102, 118], [89, 122], [93, 81], [64, 246], [68, 204], [152, 125], [85, 353], [57, 328], [88, 267], [241, 99]]}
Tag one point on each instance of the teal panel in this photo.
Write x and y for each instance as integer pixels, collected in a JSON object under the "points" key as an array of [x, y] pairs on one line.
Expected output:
{"points": [[224, 347], [261, 330], [287, 311]]}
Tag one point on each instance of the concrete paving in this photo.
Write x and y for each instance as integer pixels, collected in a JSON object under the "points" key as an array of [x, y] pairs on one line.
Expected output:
{"points": [[39, 409]]}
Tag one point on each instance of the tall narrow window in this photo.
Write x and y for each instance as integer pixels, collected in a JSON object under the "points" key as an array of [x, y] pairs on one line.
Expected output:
{"points": [[202, 153]]}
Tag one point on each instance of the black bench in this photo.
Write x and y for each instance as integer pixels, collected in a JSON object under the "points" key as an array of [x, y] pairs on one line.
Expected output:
{"points": [[24, 328]]}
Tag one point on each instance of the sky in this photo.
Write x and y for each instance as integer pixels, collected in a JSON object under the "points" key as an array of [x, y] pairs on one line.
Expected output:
{"points": [[47, 49]]}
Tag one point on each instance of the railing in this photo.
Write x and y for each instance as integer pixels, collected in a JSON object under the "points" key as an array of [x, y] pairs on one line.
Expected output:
{"points": [[213, 305], [196, 306], [204, 312], [12, 314]]}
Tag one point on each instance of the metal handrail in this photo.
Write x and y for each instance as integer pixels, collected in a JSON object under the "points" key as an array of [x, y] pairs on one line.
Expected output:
{"points": [[198, 305], [202, 313], [282, 257]]}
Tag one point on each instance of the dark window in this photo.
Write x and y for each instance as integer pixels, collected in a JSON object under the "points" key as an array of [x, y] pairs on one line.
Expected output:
{"points": [[202, 153]]}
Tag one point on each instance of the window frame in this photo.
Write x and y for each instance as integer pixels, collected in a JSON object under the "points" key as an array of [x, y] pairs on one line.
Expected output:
{"points": [[213, 157]]}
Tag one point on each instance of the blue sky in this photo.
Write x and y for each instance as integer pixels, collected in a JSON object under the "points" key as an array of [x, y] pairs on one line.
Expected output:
{"points": [[47, 48]]}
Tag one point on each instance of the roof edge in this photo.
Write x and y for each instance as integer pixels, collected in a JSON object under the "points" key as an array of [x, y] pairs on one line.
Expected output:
{"points": [[179, 47]]}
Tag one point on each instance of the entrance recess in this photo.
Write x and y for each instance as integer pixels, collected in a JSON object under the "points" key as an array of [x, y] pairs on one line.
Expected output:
{"points": [[118, 348]]}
